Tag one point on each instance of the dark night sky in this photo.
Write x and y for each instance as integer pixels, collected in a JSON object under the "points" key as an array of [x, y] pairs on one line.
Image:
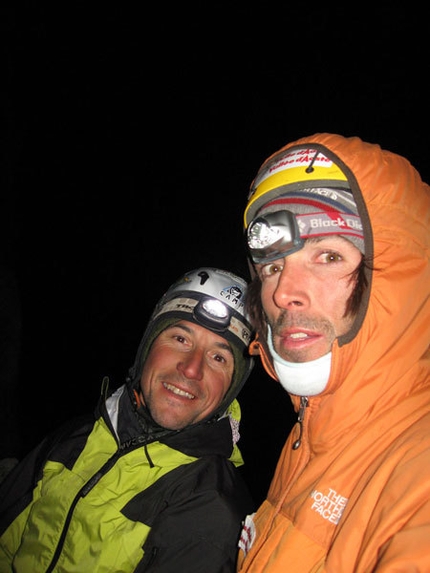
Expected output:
{"points": [[130, 141]]}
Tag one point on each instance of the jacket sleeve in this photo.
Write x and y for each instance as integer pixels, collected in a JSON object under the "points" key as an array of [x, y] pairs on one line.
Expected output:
{"points": [[200, 521], [16, 498], [16, 490]]}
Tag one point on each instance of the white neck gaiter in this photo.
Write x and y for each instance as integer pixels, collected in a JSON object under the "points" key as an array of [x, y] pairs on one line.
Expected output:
{"points": [[301, 378]]}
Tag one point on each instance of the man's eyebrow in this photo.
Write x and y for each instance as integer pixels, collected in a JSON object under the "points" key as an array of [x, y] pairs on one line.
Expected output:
{"points": [[179, 325], [189, 330], [225, 346], [319, 239]]}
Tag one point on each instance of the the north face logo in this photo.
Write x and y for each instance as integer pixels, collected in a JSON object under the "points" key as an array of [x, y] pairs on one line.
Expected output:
{"points": [[329, 505]]}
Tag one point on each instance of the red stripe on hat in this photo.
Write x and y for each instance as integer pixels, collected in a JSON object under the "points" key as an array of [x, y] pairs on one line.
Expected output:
{"points": [[300, 201]]}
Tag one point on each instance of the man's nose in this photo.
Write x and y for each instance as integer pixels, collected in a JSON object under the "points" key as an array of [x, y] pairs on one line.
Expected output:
{"points": [[293, 285], [191, 365]]}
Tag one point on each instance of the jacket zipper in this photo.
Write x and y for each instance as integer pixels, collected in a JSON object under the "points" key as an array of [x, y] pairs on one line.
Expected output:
{"points": [[301, 416]]}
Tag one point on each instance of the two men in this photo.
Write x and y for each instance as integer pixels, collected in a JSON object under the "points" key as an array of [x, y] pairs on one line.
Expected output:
{"points": [[150, 481], [339, 241]]}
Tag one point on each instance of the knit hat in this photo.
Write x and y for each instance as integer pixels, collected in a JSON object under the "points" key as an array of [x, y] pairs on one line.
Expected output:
{"points": [[212, 298], [305, 182]]}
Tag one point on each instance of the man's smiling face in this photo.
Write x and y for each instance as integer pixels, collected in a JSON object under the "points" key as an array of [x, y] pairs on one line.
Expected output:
{"points": [[186, 375]]}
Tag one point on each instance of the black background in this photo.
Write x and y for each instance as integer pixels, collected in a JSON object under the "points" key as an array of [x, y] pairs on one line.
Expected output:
{"points": [[130, 138]]}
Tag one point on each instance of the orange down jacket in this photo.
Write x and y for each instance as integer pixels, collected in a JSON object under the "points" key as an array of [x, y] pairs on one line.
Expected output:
{"points": [[355, 496]]}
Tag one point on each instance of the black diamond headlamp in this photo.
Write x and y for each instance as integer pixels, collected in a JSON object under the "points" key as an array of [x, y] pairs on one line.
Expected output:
{"points": [[273, 236]]}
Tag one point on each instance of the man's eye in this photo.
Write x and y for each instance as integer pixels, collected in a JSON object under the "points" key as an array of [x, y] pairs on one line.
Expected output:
{"points": [[179, 338], [331, 257], [270, 270]]}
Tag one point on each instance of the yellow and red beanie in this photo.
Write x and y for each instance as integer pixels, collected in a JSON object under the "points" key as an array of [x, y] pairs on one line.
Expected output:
{"points": [[311, 186]]}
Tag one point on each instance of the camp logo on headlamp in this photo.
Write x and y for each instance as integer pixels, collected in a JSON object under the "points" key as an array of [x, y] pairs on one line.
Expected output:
{"points": [[234, 295]]}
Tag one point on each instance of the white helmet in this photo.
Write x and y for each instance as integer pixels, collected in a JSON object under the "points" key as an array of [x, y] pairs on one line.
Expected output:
{"points": [[212, 298]]}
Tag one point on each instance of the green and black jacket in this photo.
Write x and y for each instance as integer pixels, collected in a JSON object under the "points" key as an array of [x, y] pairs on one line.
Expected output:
{"points": [[116, 493]]}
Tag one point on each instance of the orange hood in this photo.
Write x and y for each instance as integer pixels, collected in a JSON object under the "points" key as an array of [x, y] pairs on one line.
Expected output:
{"points": [[392, 330]]}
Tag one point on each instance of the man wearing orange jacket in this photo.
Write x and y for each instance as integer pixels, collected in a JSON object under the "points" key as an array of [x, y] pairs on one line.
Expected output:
{"points": [[338, 236]]}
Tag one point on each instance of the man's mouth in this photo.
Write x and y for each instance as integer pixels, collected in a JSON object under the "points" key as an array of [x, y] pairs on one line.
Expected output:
{"points": [[298, 335], [295, 339], [178, 391]]}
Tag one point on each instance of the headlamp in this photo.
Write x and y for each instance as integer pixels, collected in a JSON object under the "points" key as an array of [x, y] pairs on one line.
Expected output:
{"points": [[273, 236], [213, 314]]}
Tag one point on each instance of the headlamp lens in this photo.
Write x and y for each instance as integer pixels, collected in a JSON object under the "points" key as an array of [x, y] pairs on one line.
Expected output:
{"points": [[212, 313], [273, 236], [215, 308]]}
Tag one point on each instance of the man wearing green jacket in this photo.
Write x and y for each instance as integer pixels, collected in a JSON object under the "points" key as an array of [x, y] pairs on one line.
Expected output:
{"points": [[149, 482]]}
